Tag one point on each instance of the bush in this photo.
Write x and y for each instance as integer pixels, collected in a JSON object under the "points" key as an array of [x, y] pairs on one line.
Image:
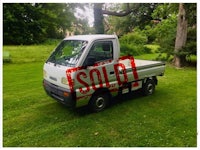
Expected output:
{"points": [[131, 49], [163, 34], [52, 41], [134, 43], [146, 50], [191, 45]]}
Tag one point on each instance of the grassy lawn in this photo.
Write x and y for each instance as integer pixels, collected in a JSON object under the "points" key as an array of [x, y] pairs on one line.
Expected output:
{"points": [[32, 119], [26, 54]]}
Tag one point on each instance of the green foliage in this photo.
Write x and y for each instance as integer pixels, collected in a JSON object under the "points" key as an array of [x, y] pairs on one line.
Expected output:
{"points": [[81, 26], [140, 17], [150, 33], [53, 42], [163, 34], [20, 25], [191, 13], [26, 23], [119, 25], [164, 11], [191, 46], [166, 33], [134, 43]]}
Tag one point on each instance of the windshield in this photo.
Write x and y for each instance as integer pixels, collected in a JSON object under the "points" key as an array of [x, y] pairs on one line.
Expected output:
{"points": [[68, 52]]}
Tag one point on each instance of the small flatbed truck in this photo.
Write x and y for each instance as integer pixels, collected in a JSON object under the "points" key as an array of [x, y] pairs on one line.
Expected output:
{"points": [[88, 70]]}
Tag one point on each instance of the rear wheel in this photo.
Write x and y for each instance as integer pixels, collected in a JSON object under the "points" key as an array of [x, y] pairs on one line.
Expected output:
{"points": [[148, 87], [99, 102]]}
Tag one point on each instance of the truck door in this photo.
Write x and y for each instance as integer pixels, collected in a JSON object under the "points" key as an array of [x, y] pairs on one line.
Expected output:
{"points": [[102, 55], [100, 69]]}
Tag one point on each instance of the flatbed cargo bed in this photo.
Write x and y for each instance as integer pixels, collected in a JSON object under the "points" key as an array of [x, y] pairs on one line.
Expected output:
{"points": [[143, 64]]}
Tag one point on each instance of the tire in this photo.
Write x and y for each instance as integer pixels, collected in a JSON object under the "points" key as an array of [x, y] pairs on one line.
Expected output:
{"points": [[148, 87], [99, 102]]}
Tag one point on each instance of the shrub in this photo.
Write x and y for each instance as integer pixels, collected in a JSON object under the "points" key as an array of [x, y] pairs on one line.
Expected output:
{"points": [[133, 43], [131, 49], [163, 34]]}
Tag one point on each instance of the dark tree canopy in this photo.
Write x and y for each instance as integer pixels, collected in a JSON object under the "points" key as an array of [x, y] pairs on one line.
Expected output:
{"points": [[26, 23]]}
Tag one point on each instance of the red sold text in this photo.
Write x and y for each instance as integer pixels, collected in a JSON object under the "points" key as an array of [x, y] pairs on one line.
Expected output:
{"points": [[102, 75]]}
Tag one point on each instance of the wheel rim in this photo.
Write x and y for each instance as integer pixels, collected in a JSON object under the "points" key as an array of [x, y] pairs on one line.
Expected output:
{"points": [[100, 102], [150, 88]]}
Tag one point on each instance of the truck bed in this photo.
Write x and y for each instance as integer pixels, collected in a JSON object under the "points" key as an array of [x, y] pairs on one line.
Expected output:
{"points": [[148, 68], [143, 64], [144, 68]]}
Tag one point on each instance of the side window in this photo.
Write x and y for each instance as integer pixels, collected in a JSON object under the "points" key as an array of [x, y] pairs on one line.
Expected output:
{"points": [[101, 51]]}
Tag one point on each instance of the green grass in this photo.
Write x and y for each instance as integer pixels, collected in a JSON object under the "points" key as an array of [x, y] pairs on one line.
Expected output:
{"points": [[168, 118], [25, 54]]}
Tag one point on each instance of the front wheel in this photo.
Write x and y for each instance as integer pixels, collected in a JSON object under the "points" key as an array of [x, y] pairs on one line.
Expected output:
{"points": [[148, 87], [98, 102]]}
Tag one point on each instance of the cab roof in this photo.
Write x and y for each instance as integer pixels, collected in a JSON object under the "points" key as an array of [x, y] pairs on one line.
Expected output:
{"points": [[91, 37]]}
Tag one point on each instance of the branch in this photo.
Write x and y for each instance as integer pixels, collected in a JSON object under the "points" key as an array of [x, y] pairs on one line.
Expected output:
{"points": [[118, 14]]}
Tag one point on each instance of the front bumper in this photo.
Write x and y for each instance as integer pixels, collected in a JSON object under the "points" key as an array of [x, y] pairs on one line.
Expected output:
{"points": [[60, 94]]}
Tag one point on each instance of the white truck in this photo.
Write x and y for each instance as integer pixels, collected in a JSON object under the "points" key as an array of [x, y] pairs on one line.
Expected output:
{"points": [[88, 70]]}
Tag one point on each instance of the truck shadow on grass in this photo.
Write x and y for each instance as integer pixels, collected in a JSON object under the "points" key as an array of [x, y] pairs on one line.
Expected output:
{"points": [[136, 95], [117, 103], [132, 98]]}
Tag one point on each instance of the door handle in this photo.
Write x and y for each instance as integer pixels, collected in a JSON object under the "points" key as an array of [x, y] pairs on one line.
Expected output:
{"points": [[112, 72]]}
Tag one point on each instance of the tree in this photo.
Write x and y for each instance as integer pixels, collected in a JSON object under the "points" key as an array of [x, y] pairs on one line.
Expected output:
{"points": [[29, 23], [98, 15], [162, 29], [185, 44], [181, 36], [58, 17], [125, 15], [168, 31], [19, 25], [126, 11], [175, 35]]}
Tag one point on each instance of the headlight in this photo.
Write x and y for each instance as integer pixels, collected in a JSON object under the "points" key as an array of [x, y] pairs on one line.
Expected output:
{"points": [[44, 74], [64, 81]]}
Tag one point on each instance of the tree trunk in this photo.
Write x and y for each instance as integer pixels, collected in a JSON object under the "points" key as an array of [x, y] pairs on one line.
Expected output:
{"points": [[181, 37], [98, 18]]}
